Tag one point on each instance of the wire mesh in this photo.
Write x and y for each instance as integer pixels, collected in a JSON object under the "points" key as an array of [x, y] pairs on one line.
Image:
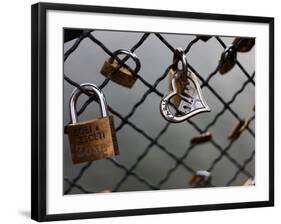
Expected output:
{"points": [[223, 152]]}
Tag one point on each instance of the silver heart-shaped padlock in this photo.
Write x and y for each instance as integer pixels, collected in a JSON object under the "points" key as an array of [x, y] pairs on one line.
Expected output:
{"points": [[192, 101]]}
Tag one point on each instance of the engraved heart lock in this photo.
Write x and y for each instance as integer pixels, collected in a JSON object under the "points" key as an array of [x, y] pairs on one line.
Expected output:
{"points": [[192, 101]]}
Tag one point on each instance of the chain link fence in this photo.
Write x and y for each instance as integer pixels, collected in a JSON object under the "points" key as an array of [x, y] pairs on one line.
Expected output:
{"points": [[230, 162]]}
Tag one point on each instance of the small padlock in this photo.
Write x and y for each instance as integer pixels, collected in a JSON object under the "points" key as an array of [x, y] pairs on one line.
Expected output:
{"points": [[238, 129], [227, 60], [202, 138], [243, 44], [122, 75], [93, 139], [181, 81], [202, 178], [181, 84]]}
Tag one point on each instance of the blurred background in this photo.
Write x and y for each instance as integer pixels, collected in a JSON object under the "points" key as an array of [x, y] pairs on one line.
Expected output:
{"points": [[144, 164]]}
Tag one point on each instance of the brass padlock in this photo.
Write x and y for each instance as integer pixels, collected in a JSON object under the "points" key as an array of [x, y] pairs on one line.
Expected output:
{"points": [[93, 139], [181, 84], [202, 178], [202, 138], [243, 44], [227, 60], [122, 75], [238, 129]]}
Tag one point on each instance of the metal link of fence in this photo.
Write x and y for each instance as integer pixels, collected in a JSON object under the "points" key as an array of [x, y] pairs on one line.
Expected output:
{"points": [[154, 141]]}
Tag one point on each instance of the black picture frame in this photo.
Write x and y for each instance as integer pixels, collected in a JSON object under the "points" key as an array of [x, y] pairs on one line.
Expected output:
{"points": [[39, 122]]}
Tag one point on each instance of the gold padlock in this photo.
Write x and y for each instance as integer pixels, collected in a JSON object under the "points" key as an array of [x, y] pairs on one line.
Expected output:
{"points": [[93, 139], [122, 75], [182, 81], [181, 84], [243, 44], [202, 138], [202, 178], [227, 60], [238, 129]]}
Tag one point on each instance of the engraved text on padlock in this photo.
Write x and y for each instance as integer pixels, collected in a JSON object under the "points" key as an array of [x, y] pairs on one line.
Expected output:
{"points": [[93, 139], [192, 98], [192, 102]]}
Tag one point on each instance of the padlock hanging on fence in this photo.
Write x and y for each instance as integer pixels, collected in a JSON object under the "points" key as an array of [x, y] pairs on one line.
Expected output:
{"points": [[243, 44], [121, 74], [229, 56], [93, 139], [184, 85], [202, 178], [179, 85]]}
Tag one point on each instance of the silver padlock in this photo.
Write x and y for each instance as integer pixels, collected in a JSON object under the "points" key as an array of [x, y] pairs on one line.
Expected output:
{"points": [[192, 101]]}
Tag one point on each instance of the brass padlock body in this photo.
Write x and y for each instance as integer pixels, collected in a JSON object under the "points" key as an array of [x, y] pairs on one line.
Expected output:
{"points": [[202, 138], [238, 129], [227, 60], [181, 84], [244, 44], [92, 140], [122, 77]]}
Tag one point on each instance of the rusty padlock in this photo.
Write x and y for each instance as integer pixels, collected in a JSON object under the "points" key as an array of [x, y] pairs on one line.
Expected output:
{"points": [[122, 75], [93, 139]]}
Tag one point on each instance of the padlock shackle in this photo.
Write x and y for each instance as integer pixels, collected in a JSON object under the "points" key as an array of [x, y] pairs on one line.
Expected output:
{"points": [[75, 95], [129, 54]]}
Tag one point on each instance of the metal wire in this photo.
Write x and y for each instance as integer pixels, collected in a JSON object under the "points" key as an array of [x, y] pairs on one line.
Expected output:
{"points": [[152, 88]]}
